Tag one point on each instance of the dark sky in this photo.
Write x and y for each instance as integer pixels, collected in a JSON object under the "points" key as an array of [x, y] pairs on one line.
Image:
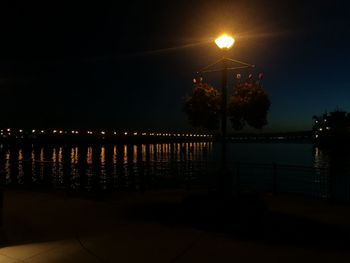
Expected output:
{"points": [[107, 64]]}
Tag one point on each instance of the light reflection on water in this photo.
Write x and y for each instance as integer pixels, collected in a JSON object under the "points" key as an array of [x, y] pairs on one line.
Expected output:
{"points": [[337, 160], [321, 158], [95, 167], [91, 168]]}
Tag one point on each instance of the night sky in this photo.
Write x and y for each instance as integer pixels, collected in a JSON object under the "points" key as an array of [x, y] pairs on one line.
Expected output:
{"points": [[113, 65]]}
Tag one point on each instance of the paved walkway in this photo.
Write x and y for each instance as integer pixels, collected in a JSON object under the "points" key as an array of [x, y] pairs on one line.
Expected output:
{"points": [[51, 228]]}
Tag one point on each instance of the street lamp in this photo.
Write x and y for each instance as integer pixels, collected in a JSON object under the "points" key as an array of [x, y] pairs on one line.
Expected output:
{"points": [[224, 42]]}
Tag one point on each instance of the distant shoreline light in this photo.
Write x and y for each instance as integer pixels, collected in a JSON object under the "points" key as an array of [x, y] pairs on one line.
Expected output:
{"points": [[73, 132]]}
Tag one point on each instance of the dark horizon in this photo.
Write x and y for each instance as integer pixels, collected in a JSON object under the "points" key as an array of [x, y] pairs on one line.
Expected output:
{"points": [[128, 66]]}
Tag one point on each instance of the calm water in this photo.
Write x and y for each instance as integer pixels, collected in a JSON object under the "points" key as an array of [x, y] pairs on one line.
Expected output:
{"points": [[102, 167], [281, 153], [148, 166]]}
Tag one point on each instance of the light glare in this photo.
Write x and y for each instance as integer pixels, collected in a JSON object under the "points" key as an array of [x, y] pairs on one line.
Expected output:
{"points": [[225, 41]]}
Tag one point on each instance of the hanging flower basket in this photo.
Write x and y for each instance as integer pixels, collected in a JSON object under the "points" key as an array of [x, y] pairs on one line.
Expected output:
{"points": [[248, 104], [203, 106]]}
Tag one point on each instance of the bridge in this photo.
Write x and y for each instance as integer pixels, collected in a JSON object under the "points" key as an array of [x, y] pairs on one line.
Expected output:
{"points": [[299, 136], [17, 134]]}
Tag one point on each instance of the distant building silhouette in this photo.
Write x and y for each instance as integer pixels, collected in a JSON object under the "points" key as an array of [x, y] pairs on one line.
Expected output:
{"points": [[332, 128]]}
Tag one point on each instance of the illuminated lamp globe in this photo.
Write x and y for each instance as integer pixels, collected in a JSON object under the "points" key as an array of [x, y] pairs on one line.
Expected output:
{"points": [[224, 41]]}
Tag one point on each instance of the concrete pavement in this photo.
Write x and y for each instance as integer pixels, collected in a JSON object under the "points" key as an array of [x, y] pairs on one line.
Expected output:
{"points": [[42, 227]]}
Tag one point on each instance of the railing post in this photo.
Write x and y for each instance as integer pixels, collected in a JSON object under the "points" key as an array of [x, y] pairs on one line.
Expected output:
{"points": [[331, 176], [274, 178], [238, 182], [1, 206]]}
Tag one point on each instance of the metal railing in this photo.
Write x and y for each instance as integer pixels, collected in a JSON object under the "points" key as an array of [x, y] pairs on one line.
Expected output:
{"points": [[259, 177], [282, 178]]}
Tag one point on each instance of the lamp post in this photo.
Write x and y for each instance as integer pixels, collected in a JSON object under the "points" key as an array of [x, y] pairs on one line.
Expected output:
{"points": [[224, 42]]}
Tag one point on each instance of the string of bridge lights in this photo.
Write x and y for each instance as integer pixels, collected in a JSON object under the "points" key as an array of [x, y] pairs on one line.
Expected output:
{"points": [[57, 132]]}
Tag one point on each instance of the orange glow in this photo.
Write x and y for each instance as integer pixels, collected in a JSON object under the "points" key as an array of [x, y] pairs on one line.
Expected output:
{"points": [[89, 155]]}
